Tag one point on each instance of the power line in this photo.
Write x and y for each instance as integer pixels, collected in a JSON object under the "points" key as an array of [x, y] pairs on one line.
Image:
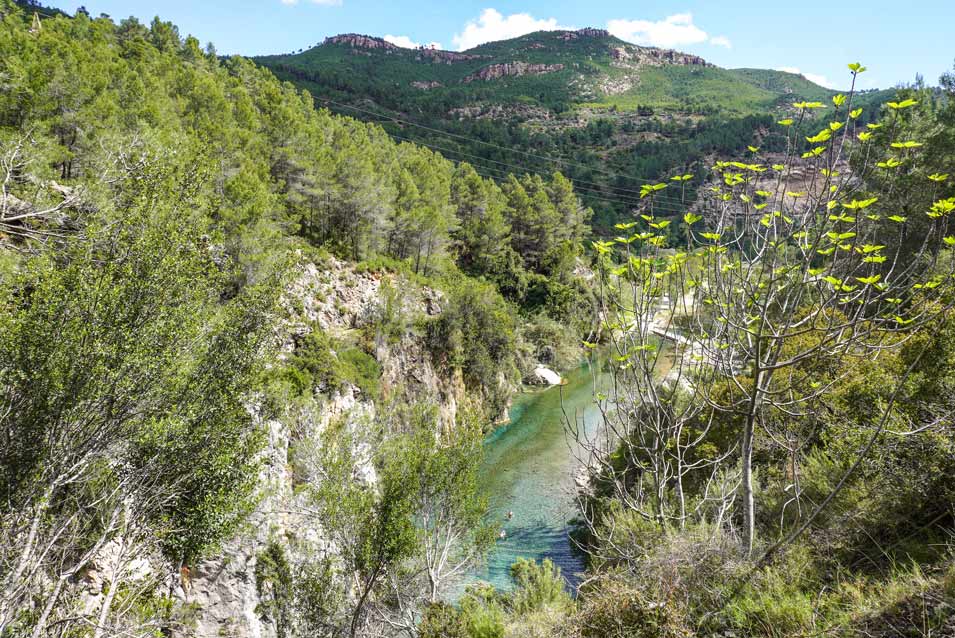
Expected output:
{"points": [[660, 201], [497, 146], [658, 208], [398, 120], [590, 192]]}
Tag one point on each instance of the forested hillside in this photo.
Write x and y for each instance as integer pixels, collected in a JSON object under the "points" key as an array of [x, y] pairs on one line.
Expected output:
{"points": [[250, 349], [608, 114], [163, 213]]}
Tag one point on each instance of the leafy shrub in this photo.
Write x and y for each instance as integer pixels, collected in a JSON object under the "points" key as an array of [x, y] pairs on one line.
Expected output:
{"points": [[273, 583], [441, 620], [549, 342], [319, 362], [476, 334], [778, 601], [360, 368], [389, 323], [300, 599], [483, 613], [614, 608], [312, 364], [539, 587]]}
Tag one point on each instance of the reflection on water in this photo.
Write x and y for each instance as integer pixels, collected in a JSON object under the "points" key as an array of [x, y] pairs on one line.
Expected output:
{"points": [[529, 470]]}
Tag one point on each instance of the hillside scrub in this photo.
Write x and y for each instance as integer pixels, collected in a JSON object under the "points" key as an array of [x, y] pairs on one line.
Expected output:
{"points": [[790, 475], [124, 374], [157, 199], [785, 468]]}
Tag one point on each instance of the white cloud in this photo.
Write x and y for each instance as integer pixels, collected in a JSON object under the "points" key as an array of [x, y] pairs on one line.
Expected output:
{"points": [[401, 41], [721, 41], [815, 78], [491, 26], [407, 43], [671, 32]]}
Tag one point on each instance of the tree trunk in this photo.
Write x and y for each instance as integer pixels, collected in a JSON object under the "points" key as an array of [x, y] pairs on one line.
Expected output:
{"points": [[359, 607], [749, 504]]}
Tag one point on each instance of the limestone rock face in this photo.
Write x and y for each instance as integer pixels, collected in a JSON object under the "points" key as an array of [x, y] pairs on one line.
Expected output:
{"points": [[358, 41], [221, 593], [515, 69], [438, 56], [588, 32], [632, 56]]}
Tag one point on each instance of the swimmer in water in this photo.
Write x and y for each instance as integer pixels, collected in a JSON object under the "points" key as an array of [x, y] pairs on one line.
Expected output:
{"points": [[502, 535], [510, 515]]}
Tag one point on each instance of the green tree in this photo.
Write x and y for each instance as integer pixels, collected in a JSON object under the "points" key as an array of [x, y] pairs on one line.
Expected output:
{"points": [[776, 289], [123, 378], [483, 233]]}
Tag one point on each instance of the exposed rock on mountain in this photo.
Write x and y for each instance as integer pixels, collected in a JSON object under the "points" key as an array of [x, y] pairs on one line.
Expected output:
{"points": [[515, 69], [223, 591], [634, 56], [588, 32], [446, 57], [359, 41], [500, 111], [424, 86], [422, 54]]}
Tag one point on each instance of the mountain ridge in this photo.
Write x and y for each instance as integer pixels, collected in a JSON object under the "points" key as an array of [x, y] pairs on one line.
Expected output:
{"points": [[365, 41], [585, 67], [612, 113]]}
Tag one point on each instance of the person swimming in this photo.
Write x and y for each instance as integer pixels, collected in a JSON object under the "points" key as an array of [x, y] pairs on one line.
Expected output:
{"points": [[502, 535], [510, 515]]}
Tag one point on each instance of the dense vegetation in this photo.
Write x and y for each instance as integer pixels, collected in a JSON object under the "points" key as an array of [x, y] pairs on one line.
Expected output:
{"points": [[660, 120], [156, 202], [790, 475]]}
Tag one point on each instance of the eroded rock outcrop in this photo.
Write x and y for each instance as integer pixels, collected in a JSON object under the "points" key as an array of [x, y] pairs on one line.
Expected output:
{"points": [[358, 41], [438, 56], [588, 32], [512, 69], [639, 56], [222, 593]]}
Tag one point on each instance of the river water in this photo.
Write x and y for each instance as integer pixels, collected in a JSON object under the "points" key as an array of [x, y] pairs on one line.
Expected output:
{"points": [[528, 469]]}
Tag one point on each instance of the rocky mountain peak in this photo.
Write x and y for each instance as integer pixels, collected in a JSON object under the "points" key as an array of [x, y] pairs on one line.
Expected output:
{"points": [[590, 32], [515, 69], [359, 41]]}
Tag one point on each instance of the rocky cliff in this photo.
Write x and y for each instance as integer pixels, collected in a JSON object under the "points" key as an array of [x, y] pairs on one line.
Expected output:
{"points": [[445, 57], [358, 41], [422, 54], [514, 69], [632, 56], [222, 593], [588, 32]]}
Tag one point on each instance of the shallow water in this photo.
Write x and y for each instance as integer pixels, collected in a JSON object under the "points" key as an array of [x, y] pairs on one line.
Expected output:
{"points": [[529, 470]]}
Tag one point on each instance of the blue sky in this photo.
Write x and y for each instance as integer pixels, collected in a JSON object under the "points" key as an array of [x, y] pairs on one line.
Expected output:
{"points": [[894, 39]]}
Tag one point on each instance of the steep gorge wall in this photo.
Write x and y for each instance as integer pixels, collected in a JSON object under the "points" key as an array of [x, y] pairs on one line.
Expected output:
{"points": [[221, 593]]}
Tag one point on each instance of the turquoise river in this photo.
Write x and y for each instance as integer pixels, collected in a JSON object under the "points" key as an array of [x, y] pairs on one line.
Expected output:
{"points": [[528, 470]]}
